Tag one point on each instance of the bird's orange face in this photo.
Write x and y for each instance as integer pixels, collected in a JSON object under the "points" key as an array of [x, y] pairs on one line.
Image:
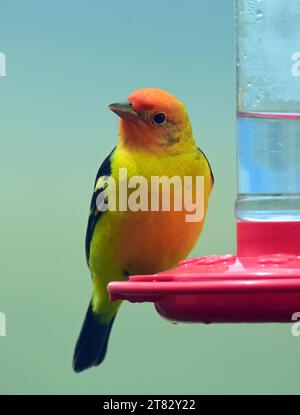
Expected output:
{"points": [[153, 119]]}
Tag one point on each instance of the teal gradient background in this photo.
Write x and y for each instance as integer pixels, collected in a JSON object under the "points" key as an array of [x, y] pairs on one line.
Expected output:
{"points": [[66, 60]]}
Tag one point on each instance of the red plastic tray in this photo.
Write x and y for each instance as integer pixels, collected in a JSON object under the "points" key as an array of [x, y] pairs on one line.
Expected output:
{"points": [[220, 289]]}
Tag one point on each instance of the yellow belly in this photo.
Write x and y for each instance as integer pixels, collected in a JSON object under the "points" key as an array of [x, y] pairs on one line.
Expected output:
{"points": [[147, 242], [156, 241], [128, 243]]}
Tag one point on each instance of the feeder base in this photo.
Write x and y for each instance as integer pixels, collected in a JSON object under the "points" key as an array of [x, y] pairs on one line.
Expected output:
{"points": [[220, 289]]}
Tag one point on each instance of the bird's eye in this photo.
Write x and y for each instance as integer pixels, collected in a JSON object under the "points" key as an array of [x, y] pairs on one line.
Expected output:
{"points": [[159, 118]]}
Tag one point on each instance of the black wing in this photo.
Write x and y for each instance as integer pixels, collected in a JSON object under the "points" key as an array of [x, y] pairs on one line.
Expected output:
{"points": [[211, 173], [95, 214]]}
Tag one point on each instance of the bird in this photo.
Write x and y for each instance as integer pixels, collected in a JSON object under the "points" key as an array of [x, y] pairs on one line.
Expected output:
{"points": [[155, 139]]}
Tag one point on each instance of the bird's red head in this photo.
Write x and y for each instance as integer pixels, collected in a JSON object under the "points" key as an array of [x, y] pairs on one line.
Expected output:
{"points": [[154, 120]]}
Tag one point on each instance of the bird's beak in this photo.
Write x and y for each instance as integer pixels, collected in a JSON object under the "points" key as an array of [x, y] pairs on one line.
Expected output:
{"points": [[124, 110]]}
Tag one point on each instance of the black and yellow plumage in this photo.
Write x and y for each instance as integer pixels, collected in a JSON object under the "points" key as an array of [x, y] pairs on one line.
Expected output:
{"points": [[155, 140]]}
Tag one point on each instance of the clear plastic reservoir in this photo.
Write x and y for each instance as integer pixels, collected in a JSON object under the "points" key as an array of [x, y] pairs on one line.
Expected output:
{"points": [[268, 122]]}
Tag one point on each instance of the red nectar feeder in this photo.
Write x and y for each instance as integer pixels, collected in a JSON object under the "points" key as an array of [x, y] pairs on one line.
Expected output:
{"points": [[261, 283]]}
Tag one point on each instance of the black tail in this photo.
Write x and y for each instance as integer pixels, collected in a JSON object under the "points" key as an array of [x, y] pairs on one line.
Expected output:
{"points": [[92, 343]]}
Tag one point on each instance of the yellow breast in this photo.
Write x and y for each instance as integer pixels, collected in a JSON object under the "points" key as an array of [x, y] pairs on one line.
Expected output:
{"points": [[148, 241]]}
